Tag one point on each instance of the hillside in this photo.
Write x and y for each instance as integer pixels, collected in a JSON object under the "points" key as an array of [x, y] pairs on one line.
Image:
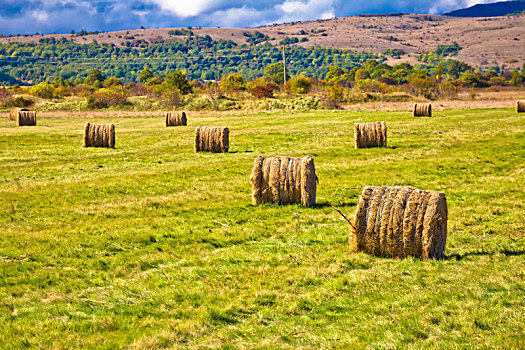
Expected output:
{"points": [[490, 10], [485, 41], [209, 53]]}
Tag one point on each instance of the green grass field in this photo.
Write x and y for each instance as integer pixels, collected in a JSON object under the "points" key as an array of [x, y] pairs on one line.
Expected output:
{"points": [[150, 245]]}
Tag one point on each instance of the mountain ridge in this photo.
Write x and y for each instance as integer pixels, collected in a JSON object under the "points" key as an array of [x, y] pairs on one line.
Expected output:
{"points": [[495, 9]]}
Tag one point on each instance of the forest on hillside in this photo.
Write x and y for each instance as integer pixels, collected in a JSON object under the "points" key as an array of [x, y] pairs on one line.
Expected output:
{"points": [[200, 56]]}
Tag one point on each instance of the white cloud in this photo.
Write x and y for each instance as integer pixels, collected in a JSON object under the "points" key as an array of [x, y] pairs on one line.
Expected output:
{"points": [[293, 10], [186, 8], [240, 16], [41, 16]]}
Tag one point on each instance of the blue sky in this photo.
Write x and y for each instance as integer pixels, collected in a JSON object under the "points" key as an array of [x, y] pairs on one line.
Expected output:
{"points": [[61, 16]]}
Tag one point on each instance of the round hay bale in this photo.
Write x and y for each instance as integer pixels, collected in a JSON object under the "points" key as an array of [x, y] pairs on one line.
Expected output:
{"points": [[13, 114], [399, 222], [99, 135], [520, 106], [370, 135], [176, 119], [284, 180], [422, 110], [212, 139], [26, 118]]}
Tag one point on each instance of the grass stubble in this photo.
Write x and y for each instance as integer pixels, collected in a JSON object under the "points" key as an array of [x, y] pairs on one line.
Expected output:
{"points": [[152, 245]]}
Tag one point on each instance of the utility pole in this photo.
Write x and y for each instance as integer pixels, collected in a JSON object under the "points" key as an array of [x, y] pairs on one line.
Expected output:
{"points": [[284, 63]]}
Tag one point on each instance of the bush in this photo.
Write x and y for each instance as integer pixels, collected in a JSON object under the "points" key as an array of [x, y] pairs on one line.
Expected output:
{"points": [[200, 103], [5, 97], [262, 91], [105, 97], [300, 85], [21, 102], [94, 103], [299, 104], [42, 90], [233, 82], [61, 92]]}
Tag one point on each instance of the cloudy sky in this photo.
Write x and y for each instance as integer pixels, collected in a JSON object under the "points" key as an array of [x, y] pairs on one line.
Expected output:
{"points": [[62, 16]]}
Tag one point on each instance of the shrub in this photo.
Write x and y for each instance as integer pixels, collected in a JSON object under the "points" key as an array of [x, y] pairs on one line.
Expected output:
{"points": [[61, 92], [42, 90], [233, 82], [5, 97], [262, 91], [21, 102], [107, 97], [300, 85]]}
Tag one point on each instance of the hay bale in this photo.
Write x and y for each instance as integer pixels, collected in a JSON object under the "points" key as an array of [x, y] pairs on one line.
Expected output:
{"points": [[284, 180], [13, 114], [24, 118], [370, 134], [520, 106], [422, 110], [212, 139], [99, 135], [400, 222], [176, 119]]}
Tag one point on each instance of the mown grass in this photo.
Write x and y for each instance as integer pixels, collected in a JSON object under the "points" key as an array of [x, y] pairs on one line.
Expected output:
{"points": [[150, 245]]}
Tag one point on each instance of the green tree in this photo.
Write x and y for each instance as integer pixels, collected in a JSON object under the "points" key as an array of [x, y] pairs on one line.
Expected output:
{"points": [[43, 90], [362, 74], [456, 68], [275, 71], [233, 82], [300, 85], [111, 82], [93, 77], [516, 79], [336, 75], [178, 80], [440, 70], [472, 79], [145, 75]]}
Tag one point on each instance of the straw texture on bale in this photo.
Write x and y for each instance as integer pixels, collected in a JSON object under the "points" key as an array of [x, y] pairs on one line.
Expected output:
{"points": [[400, 222], [370, 134], [520, 106], [13, 114], [212, 139], [284, 180], [422, 110], [99, 135], [26, 118], [176, 119]]}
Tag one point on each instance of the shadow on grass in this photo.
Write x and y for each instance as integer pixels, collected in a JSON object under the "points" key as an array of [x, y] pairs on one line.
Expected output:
{"points": [[505, 252], [245, 151], [337, 205]]}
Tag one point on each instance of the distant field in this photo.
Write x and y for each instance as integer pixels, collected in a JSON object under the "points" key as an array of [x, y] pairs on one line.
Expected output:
{"points": [[150, 245]]}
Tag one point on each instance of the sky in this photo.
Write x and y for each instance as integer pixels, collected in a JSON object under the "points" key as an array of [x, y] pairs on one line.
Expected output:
{"points": [[63, 16]]}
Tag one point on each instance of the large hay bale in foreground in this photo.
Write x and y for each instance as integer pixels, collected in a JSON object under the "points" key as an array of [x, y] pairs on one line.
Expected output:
{"points": [[284, 180], [370, 134], [212, 139], [422, 110], [176, 119], [26, 118], [13, 114], [520, 106], [99, 135], [400, 222]]}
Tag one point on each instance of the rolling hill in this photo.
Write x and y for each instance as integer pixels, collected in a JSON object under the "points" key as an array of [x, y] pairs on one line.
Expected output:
{"points": [[484, 42]]}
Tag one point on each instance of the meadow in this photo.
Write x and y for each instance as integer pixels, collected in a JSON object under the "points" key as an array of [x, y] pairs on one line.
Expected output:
{"points": [[150, 245]]}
